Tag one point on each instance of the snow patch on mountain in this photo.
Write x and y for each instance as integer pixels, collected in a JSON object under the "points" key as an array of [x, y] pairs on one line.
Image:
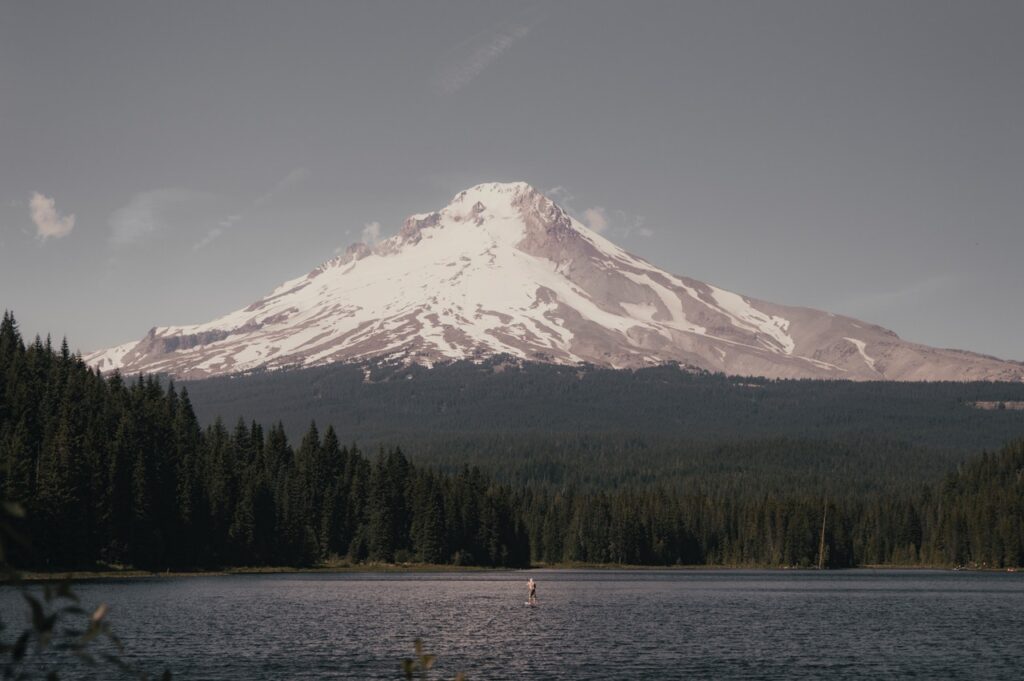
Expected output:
{"points": [[745, 315], [111, 358], [861, 348]]}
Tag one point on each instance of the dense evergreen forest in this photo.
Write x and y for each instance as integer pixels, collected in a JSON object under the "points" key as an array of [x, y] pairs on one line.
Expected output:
{"points": [[549, 426], [117, 472], [114, 472], [378, 402]]}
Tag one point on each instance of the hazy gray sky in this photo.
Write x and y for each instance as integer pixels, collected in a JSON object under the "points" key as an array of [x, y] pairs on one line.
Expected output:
{"points": [[164, 163]]}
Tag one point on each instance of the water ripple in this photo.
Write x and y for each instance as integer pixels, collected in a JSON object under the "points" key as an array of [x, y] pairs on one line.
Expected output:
{"points": [[589, 624]]}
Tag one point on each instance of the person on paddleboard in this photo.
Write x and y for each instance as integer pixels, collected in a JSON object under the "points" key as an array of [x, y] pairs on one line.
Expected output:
{"points": [[532, 586]]}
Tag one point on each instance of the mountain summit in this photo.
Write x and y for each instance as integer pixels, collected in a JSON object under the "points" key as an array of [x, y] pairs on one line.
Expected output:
{"points": [[504, 270]]}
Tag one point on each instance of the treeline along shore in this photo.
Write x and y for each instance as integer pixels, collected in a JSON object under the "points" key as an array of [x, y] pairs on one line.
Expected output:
{"points": [[116, 472]]}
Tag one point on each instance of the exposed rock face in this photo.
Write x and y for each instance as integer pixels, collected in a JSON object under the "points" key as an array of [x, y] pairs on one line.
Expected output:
{"points": [[503, 269]]}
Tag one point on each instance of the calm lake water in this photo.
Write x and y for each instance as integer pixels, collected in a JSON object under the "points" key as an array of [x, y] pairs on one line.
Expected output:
{"points": [[606, 624]]}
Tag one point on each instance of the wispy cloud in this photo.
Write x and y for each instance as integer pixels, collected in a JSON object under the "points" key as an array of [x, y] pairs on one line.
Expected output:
{"points": [[49, 223], [153, 211], [216, 232], [371, 233], [174, 208], [467, 60], [630, 225], [210, 237], [294, 177]]}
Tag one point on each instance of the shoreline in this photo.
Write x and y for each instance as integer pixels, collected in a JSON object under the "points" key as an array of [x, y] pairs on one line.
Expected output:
{"points": [[37, 577], [89, 575]]}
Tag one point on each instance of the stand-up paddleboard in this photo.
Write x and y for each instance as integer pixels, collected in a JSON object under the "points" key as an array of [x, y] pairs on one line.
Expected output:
{"points": [[531, 592]]}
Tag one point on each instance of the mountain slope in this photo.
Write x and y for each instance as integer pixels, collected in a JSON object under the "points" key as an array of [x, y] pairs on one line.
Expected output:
{"points": [[504, 270]]}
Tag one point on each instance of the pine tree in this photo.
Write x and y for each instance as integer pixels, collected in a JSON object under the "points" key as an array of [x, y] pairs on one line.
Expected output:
{"points": [[428, 535]]}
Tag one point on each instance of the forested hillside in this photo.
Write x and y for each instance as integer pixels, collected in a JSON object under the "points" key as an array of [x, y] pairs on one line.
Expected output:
{"points": [[504, 395], [552, 426], [117, 472]]}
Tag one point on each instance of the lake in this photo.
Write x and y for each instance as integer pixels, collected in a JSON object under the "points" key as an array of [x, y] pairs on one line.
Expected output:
{"points": [[589, 624]]}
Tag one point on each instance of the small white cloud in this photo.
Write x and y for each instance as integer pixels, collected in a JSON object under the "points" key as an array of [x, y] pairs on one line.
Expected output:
{"points": [[614, 223], [49, 223], [371, 233], [596, 218]]}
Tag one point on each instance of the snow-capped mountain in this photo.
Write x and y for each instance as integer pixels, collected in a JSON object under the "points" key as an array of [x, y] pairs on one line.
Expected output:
{"points": [[503, 269]]}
